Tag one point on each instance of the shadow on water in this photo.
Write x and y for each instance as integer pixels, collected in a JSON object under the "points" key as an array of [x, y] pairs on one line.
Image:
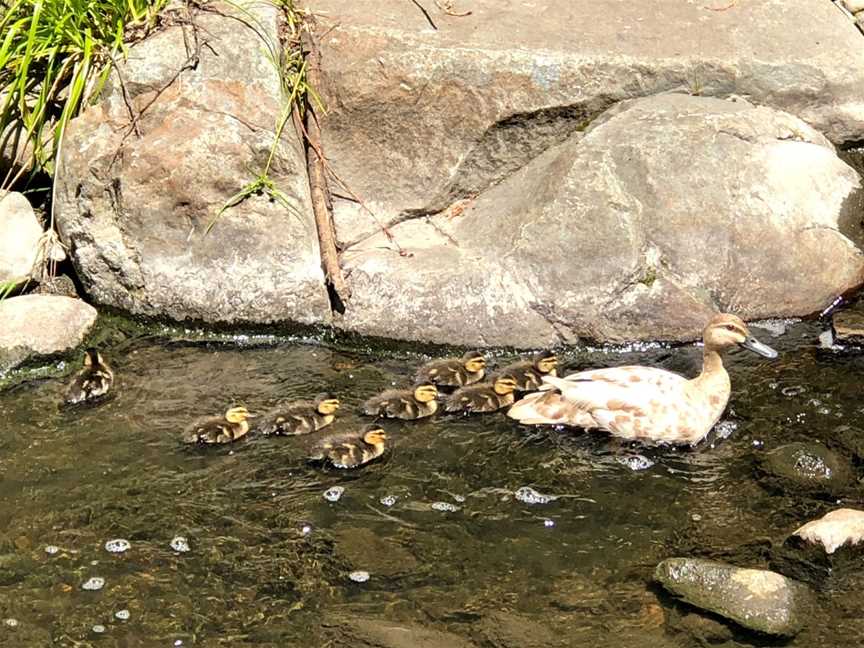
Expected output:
{"points": [[436, 523]]}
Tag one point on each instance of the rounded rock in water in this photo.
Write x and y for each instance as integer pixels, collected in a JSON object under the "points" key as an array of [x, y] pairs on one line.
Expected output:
{"points": [[52, 549], [635, 462], [123, 615], [359, 576], [98, 628], [446, 507], [118, 545], [528, 495], [388, 500], [180, 544], [93, 584], [10, 623], [334, 493]]}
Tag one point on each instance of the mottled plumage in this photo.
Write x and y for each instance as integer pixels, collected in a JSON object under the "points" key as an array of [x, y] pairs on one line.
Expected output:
{"points": [[407, 404], [453, 372], [93, 382], [219, 429], [528, 374], [484, 397], [351, 449], [299, 417], [644, 403]]}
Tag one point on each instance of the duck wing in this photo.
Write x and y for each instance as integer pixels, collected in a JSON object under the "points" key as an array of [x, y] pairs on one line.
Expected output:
{"points": [[622, 400]]}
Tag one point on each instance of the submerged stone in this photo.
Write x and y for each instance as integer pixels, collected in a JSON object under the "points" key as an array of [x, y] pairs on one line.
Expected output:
{"points": [[757, 599], [809, 467]]}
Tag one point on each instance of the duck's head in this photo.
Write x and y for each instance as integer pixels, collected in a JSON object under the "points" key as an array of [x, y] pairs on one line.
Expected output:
{"points": [[504, 385], [92, 358], [374, 435], [237, 415], [326, 404], [425, 393], [545, 362], [474, 361], [725, 331]]}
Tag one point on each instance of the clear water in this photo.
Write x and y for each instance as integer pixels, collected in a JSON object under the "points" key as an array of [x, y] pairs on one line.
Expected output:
{"points": [[436, 524]]}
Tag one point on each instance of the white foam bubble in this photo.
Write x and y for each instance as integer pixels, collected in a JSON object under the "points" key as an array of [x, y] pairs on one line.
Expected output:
{"points": [[180, 544], [334, 493], [528, 495], [93, 584], [117, 545]]}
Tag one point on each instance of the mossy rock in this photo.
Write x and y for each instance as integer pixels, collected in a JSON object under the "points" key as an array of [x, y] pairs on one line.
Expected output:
{"points": [[810, 468]]}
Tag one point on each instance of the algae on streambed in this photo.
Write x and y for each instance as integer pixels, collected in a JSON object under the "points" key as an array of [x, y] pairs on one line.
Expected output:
{"points": [[269, 556]]}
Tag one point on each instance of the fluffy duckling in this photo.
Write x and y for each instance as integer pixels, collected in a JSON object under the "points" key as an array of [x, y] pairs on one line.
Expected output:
{"points": [[93, 382], [645, 403], [486, 397], [407, 404], [219, 429], [300, 417], [351, 449], [528, 374], [454, 372]]}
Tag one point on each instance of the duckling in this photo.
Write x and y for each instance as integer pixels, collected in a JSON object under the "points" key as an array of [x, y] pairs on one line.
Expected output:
{"points": [[528, 374], [407, 404], [454, 372], [645, 403], [219, 429], [351, 449], [300, 417], [93, 382], [485, 397]]}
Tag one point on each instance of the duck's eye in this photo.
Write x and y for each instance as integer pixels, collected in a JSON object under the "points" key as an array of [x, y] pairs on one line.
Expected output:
{"points": [[729, 327]]}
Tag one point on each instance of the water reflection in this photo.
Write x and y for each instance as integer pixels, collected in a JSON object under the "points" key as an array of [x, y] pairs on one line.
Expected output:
{"points": [[464, 517]]}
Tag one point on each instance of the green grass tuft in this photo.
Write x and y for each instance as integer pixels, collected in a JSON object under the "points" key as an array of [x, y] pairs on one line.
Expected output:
{"points": [[54, 55]]}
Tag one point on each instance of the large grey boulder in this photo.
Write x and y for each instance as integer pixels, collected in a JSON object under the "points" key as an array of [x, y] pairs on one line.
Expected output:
{"points": [[19, 237], [35, 325], [134, 209], [757, 599], [418, 117], [664, 211]]}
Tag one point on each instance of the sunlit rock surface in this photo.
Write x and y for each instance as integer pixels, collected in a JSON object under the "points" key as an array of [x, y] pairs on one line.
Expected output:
{"points": [[835, 529], [19, 236], [134, 208], [757, 599], [666, 210], [419, 116], [35, 325]]}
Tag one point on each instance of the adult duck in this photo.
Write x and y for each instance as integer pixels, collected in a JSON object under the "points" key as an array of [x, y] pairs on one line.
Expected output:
{"points": [[644, 403]]}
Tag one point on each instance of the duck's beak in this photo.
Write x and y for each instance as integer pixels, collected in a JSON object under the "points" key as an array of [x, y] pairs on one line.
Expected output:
{"points": [[756, 346]]}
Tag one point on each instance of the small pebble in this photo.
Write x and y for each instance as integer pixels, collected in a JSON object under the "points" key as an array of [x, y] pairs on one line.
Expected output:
{"points": [[123, 615], [180, 544], [51, 550], [635, 462], [528, 495], [459, 498], [93, 584], [334, 493], [696, 517], [179, 642], [10, 622], [359, 576], [98, 628], [118, 545], [447, 507]]}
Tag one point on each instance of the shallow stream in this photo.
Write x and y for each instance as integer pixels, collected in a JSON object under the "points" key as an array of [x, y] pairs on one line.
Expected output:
{"points": [[269, 557]]}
